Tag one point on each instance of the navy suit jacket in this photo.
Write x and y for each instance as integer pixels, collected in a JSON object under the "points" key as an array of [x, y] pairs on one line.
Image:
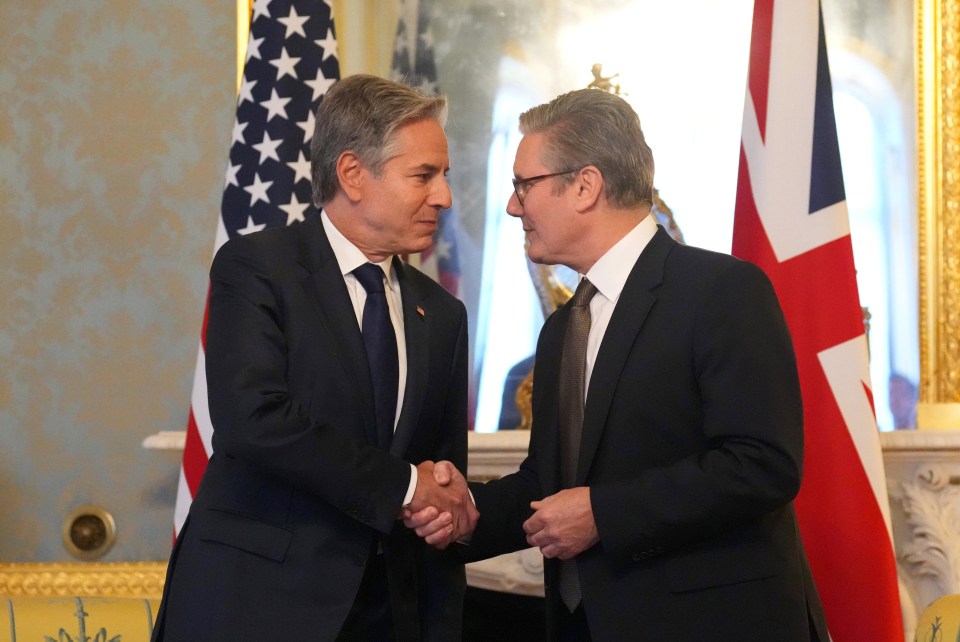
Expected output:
{"points": [[692, 448], [297, 493]]}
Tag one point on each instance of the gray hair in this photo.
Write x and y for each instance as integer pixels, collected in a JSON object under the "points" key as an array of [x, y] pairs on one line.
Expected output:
{"points": [[361, 114], [594, 127]]}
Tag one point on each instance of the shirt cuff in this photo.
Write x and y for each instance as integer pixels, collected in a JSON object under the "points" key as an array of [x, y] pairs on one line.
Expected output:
{"points": [[412, 487]]}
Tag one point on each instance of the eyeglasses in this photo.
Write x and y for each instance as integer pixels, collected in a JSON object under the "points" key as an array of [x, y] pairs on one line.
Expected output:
{"points": [[522, 185]]}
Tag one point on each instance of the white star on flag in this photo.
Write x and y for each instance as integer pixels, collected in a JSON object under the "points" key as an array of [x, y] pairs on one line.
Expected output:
{"points": [[285, 65], [320, 84], [293, 23], [308, 126], [231, 178], [328, 44], [260, 9], [251, 227], [258, 191], [426, 39], [275, 106], [246, 91], [268, 148], [294, 209], [442, 248], [237, 136], [429, 87], [253, 47], [301, 168]]}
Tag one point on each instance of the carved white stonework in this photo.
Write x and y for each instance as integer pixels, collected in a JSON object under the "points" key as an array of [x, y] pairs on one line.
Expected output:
{"points": [[520, 573], [923, 485], [932, 506]]}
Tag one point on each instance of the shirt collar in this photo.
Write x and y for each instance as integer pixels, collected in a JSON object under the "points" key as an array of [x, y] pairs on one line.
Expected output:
{"points": [[610, 272], [349, 256]]}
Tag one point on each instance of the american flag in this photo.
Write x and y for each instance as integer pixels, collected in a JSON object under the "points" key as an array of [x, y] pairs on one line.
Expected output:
{"points": [[414, 63], [291, 63], [791, 220]]}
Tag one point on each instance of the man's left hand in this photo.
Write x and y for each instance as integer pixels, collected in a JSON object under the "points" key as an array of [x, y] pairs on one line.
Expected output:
{"points": [[563, 524]]}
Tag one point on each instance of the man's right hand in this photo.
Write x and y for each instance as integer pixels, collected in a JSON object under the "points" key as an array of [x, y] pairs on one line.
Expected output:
{"points": [[442, 510]]}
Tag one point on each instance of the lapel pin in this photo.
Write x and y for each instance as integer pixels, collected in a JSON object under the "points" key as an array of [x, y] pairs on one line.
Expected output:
{"points": [[421, 312]]}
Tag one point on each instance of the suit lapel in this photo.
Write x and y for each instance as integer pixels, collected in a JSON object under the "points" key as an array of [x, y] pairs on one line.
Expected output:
{"points": [[635, 302], [328, 295], [546, 415], [415, 326]]}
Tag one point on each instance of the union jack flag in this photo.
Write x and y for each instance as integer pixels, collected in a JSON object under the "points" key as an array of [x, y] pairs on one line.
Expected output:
{"points": [[291, 63], [414, 63], [791, 220]]}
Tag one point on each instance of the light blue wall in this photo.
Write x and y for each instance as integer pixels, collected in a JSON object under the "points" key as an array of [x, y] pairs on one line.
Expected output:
{"points": [[115, 121]]}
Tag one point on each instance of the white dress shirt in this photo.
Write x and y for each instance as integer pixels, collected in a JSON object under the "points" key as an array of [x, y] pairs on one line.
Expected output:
{"points": [[349, 258], [609, 274]]}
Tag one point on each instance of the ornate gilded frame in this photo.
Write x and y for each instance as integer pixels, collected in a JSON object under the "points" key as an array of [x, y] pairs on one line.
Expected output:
{"points": [[938, 210], [117, 579]]}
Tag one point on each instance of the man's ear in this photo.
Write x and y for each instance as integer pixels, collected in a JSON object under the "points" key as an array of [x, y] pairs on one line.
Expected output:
{"points": [[351, 174], [589, 186]]}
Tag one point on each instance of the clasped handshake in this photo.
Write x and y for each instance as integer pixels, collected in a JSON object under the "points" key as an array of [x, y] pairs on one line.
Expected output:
{"points": [[442, 512]]}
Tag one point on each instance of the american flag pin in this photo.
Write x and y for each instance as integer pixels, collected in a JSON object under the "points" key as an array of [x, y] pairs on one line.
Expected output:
{"points": [[420, 311]]}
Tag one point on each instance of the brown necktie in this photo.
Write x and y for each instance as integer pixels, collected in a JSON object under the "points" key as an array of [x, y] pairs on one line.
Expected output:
{"points": [[573, 374]]}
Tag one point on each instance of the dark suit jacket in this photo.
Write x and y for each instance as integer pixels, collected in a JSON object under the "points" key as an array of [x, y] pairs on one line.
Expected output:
{"points": [[692, 448], [295, 493]]}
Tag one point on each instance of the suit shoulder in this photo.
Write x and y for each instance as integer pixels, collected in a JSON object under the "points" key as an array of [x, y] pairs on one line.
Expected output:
{"points": [[264, 242], [429, 288], [710, 266], [274, 250]]}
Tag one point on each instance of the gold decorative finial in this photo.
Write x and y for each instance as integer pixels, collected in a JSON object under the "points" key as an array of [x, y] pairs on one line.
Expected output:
{"points": [[603, 82]]}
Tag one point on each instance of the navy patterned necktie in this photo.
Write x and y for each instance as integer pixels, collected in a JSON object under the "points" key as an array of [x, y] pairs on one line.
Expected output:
{"points": [[573, 375], [380, 340]]}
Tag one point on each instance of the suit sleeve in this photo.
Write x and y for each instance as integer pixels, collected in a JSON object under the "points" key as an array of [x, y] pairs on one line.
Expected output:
{"points": [[442, 591], [748, 386], [253, 412], [504, 504]]}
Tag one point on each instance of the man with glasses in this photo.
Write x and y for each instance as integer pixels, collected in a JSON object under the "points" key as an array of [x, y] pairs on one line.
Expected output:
{"points": [[667, 437]]}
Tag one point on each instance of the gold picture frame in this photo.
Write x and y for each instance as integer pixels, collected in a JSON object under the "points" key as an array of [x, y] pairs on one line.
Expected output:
{"points": [[938, 211]]}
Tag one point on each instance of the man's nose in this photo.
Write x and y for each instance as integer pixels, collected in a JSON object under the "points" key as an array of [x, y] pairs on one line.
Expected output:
{"points": [[514, 208], [442, 196]]}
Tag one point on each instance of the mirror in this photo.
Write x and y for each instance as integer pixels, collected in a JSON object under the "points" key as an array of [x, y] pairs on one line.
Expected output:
{"points": [[891, 70]]}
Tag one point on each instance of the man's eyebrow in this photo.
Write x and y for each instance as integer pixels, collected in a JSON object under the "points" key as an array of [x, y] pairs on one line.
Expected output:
{"points": [[430, 167]]}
